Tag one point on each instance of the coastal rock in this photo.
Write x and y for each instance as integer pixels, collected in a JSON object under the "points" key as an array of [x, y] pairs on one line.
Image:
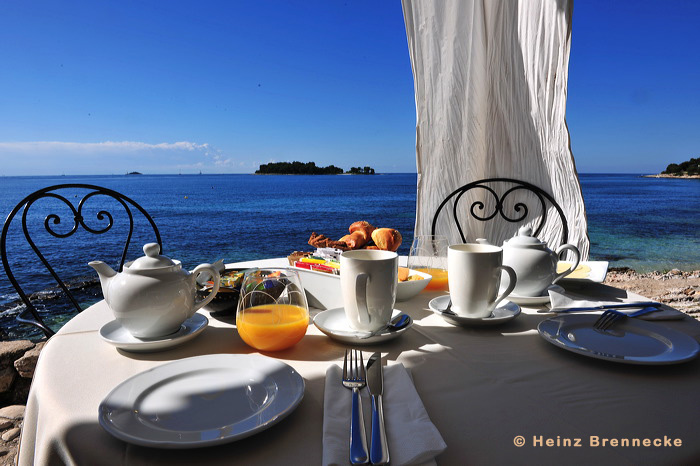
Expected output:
{"points": [[5, 423], [27, 363], [7, 378], [11, 350], [10, 434], [12, 412]]}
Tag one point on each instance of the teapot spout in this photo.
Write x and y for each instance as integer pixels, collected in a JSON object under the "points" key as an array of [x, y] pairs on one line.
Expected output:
{"points": [[105, 272]]}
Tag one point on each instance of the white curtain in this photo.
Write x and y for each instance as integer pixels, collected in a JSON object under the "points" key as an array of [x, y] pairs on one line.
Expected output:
{"points": [[490, 85]]}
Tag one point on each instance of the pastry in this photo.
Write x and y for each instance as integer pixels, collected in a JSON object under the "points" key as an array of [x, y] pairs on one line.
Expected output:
{"points": [[365, 227], [322, 241], [355, 240], [387, 239]]}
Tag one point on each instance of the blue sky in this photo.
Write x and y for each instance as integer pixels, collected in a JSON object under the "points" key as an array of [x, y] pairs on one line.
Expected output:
{"points": [[221, 87]]}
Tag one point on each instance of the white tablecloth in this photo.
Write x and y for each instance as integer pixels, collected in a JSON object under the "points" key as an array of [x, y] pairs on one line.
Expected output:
{"points": [[482, 388]]}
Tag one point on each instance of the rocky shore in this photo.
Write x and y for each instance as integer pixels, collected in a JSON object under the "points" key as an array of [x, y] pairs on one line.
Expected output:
{"points": [[665, 175], [17, 362], [678, 289]]}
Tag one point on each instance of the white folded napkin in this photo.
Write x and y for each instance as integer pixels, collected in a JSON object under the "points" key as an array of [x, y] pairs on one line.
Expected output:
{"points": [[412, 437], [563, 300]]}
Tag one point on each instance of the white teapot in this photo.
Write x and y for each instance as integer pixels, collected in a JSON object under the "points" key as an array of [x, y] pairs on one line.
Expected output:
{"points": [[154, 295], [534, 263]]}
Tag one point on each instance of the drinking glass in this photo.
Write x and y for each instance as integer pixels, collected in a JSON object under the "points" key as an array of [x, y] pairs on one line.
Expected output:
{"points": [[429, 254], [272, 310]]}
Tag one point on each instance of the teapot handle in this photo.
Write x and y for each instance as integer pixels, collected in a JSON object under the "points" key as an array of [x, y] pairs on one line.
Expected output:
{"points": [[560, 251], [215, 277]]}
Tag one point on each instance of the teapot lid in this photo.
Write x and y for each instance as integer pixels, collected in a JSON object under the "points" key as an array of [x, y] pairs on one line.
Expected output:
{"points": [[524, 239], [152, 259]]}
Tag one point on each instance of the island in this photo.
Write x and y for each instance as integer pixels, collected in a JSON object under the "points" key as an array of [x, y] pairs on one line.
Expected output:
{"points": [[687, 169], [309, 168], [134, 173], [361, 171]]}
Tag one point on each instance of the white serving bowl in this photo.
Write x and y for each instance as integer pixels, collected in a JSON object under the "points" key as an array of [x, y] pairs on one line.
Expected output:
{"points": [[410, 288], [323, 289]]}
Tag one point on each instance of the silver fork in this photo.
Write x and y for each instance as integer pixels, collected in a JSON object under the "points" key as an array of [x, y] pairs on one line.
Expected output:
{"points": [[354, 377], [611, 316], [608, 318]]}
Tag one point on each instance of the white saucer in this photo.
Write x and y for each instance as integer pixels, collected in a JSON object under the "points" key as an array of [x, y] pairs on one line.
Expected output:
{"points": [[334, 324], [506, 311], [535, 300], [114, 334]]}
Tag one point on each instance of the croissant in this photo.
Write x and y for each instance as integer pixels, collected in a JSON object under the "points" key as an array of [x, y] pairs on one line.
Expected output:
{"points": [[360, 234], [387, 239], [355, 240]]}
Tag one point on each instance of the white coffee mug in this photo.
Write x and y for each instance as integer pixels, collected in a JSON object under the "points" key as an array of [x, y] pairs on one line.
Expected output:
{"points": [[368, 280], [474, 275]]}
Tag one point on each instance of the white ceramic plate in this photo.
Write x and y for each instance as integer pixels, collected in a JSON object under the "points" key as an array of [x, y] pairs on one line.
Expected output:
{"points": [[630, 341], [116, 335], [202, 401], [506, 311], [535, 300], [334, 324], [598, 271]]}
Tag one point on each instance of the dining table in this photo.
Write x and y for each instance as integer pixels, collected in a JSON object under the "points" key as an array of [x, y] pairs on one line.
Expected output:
{"points": [[496, 394]]}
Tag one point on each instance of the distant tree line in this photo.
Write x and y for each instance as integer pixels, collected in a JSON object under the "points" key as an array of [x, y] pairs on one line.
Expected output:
{"points": [[690, 167], [361, 171], [309, 168], [297, 168]]}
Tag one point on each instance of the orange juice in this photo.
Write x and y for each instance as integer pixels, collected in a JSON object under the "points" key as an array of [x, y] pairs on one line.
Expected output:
{"points": [[272, 327], [439, 281]]}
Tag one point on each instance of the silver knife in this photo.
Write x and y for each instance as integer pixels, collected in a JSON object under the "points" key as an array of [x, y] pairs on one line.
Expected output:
{"points": [[378, 450], [607, 306]]}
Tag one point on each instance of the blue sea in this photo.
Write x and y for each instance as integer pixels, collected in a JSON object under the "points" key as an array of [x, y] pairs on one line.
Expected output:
{"points": [[642, 223]]}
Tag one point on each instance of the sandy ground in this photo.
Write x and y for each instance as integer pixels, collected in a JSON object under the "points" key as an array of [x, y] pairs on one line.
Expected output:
{"points": [[680, 290]]}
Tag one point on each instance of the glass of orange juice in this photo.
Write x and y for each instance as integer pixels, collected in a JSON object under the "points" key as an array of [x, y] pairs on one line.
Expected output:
{"points": [[272, 311], [429, 254]]}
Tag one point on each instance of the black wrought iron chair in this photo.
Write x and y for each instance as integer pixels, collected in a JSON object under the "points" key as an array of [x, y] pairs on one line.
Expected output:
{"points": [[105, 221], [501, 194]]}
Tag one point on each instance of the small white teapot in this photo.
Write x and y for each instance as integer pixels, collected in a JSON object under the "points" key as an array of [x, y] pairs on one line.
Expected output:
{"points": [[534, 263], [154, 295]]}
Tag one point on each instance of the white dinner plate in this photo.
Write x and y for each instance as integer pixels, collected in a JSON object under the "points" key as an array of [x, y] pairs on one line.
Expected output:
{"points": [[116, 335], [334, 324], [505, 312], [630, 340], [534, 300], [590, 271], [201, 401]]}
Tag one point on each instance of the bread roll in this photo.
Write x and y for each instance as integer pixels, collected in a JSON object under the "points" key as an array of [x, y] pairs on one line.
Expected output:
{"points": [[387, 239], [364, 227]]}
